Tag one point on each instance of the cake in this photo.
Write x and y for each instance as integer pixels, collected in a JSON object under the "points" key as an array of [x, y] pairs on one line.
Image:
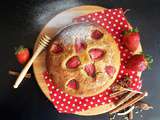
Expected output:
{"points": [[83, 60]]}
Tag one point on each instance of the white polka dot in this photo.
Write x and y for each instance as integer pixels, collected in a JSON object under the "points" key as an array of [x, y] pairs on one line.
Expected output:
{"points": [[60, 108], [112, 30], [100, 16], [126, 26], [121, 47], [116, 32], [52, 87], [120, 12], [70, 97], [119, 76], [87, 20], [82, 97], [57, 89], [93, 98], [107, 27], [50, 80], [66, 94], [135, 79], [107, 92], [114, 13], [98, 21], [93, 19], [50, 92], [102, 12], [119, 16], [115, 9], [122, 71], [124, 54], [119, 28], [123, 67], [71, 109], [129, 57], [112, 18], [122, 59], [116, 20], [114, 25], [62, 104], [73, 105], [105, 19], [55, 94], [89, 16], [102, 24], [46, 77], [57, 102], [100, 95], [55, 106], [118, 40], [95, 14], [131, 76], [105, 98], [107, 15], [75, 100], [84, 105], [52, 99], [82, 18], [114, 37], [133, 72], [68, 102], [86, 100], [138, 87], [65, 111], [109, 10], [134, 84], [59, 97], [109, 22], [66, 107], [64, 100], [123, 18], [98, 100], [109, 101], [116, 98], [91, 103], [48, 84], [89, 107], [80, 102]]}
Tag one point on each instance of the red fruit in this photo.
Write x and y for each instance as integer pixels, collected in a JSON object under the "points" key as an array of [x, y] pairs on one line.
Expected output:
{"points": [[131, 39], [110, 70], [96, 53], [22, 54], [56, 48], [90, 70], [139, 62], [96, 34], [72, 84], [80, 45], [73, 62]]}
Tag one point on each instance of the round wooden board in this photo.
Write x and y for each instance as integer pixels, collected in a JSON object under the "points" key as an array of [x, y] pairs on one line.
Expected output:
{"points": [[59, 21]]}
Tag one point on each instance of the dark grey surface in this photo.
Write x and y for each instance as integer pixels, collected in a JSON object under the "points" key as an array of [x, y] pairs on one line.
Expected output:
{"points": [[22, 20]]}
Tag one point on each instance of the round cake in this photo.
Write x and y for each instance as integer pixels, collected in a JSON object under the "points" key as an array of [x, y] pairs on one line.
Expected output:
{"points": [[83, 60]]}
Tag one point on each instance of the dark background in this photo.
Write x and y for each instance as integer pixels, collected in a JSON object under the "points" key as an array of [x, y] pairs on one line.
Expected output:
{"points": [[20, 23]]}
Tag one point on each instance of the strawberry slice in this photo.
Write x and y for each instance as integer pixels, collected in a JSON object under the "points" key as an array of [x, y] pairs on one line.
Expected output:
{"points": [[80, 45], [90, 70], [56, 48], [73, 62], [72, 84], [96, 53], [96, 34], [110, 70]]}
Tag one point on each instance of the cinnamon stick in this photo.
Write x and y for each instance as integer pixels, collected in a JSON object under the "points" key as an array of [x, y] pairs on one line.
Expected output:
{"points": [[118, 93], [130, 102], [14, 73], [130, 115]]}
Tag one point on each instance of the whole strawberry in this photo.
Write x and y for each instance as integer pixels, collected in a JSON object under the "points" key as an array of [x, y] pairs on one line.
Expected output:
{"points": [[131, 39], [22, 54], [139, 62]]}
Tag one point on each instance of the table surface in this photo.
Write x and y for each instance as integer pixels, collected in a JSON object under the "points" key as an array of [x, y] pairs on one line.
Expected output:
{"points": [[22, 20]]}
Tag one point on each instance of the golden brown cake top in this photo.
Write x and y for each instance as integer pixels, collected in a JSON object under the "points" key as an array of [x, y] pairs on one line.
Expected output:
{"points": [[83, 60]]}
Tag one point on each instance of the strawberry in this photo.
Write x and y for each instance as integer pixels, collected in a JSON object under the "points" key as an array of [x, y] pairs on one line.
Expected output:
{"points": [[90, 70], [80, 45], [110, 70], [56, 48], [139, 62], [96, 53], [131, 39], [73, 62], [72, 84], [22, 54], [96, 34]]}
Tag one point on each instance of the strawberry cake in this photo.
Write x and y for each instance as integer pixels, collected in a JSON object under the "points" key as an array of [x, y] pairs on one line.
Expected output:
{"points": [[83, 60]]}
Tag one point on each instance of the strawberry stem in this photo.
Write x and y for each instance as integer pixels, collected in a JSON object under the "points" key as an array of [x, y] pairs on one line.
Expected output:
{"points": [[21, 47]]}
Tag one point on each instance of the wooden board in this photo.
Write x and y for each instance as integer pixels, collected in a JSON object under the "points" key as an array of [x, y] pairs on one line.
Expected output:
{"points": [[59, 21]]}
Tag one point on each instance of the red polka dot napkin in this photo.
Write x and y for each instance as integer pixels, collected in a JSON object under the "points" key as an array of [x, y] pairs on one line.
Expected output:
{"points": [[114, 21]]}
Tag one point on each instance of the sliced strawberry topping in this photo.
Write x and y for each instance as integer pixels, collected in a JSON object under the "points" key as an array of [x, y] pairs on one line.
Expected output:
{"points": [[90, 70], [56, 48], [72, 84], [110, 70], [96, 34], [80, 45], [73, 62], [96, 53]]}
